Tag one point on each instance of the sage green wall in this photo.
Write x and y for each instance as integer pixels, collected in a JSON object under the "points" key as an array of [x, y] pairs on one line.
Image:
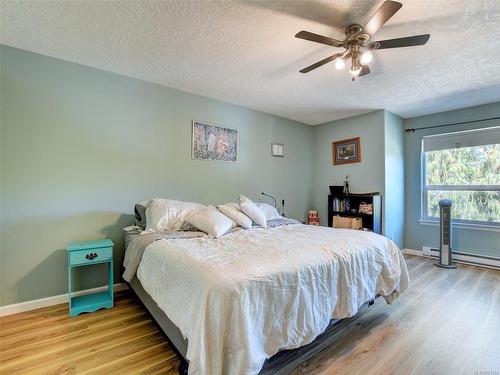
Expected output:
{"points": [[365, 176], [381, 168], [486, 243], [79, 146]]}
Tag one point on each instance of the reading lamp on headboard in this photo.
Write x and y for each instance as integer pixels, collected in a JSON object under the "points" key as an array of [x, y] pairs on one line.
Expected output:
{"points": [[270, 196]]}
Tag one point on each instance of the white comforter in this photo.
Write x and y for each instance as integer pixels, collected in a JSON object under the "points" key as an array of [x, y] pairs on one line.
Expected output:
{"points": [[241, 298]]}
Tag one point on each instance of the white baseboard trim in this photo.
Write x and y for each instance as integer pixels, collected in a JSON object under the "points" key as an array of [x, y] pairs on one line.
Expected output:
{"points": [[487, 262], [54, 300]]}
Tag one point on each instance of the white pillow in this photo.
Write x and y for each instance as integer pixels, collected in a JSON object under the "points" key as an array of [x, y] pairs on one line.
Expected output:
{"points": [[211, 221], [232, 210], [168, 214], [252, 211], [268, 210]]}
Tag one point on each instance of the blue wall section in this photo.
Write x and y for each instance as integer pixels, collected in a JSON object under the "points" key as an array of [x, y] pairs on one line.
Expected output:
{"points": [[471, 241], [394, 201]]}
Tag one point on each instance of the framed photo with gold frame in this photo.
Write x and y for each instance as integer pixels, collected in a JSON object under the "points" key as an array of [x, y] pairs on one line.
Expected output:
{"points": [[346, 151]]}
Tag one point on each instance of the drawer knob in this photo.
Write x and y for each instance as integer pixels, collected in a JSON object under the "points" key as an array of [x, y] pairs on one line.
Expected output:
{"points": [[91, 256]]}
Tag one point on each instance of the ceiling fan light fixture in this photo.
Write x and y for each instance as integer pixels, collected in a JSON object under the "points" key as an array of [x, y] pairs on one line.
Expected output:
{"points": [[355, 67], [366, 57], [357, 43], [355, 70]]}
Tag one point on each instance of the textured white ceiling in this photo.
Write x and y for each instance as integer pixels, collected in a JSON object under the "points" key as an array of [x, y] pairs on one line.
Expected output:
{"points": [[245, 52]]}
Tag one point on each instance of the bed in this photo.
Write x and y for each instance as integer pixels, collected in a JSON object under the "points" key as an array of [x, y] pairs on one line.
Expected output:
{"points": [[260, 300]]}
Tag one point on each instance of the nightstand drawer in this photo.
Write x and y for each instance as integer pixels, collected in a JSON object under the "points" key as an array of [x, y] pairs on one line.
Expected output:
{"points": [[90, 256]]}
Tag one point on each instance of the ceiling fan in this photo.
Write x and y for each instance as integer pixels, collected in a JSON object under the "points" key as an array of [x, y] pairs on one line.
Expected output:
{"points": [[357, 45]]}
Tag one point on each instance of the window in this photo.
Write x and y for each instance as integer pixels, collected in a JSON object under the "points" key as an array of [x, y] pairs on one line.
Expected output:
{"points": [[463, 167]]}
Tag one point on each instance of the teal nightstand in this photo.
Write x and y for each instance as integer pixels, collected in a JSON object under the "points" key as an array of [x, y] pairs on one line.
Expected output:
{"points": [[84, 254]]}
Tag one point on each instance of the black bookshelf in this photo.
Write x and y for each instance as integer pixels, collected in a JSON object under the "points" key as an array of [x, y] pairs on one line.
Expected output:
{"points": [[372, 222]]}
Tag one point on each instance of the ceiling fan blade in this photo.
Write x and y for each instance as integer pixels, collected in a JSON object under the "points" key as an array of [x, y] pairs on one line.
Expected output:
{"points": [[322, 62], [409, 41], [364, 71], [318, 38], [381, 16]]}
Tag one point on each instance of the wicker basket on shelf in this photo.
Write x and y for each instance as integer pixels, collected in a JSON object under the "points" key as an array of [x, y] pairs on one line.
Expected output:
{"points": [[347, 222]]}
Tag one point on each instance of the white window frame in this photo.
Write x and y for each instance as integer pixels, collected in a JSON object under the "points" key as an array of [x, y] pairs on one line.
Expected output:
{"points": [[426, 219]]}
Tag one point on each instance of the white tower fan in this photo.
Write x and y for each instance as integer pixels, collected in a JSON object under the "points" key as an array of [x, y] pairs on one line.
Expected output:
{"points": [[445, 235]]}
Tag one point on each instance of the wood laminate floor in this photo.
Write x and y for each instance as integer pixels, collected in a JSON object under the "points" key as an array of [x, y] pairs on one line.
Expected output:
{"points": [[448, 322]]}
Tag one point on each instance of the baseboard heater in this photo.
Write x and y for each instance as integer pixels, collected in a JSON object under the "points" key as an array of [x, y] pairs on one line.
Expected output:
{"points": [[472, 259]]}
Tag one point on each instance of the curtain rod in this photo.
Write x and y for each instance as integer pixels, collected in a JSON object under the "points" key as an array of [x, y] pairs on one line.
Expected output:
{"points": [[412, 130]]}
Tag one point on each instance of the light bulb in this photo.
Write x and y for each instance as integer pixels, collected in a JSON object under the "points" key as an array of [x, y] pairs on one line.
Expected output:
{"points": [[355, 70], [366, 57], [339, 64]]}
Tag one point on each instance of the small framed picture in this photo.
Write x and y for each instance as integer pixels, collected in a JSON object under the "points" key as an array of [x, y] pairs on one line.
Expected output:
{"points": [[277, 149], [346, 151]]}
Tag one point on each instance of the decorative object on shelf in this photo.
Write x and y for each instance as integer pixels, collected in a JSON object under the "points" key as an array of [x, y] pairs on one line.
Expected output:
{"points": [[346, 151], [313, 217], [336, 207], [277, 149], [346, 185], [211, 142], [85, 254], [347, 222], [336, 190], [366, 208]]}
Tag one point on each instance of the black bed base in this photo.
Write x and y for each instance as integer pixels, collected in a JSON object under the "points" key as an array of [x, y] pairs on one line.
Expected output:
{"points": [[281, 363]]}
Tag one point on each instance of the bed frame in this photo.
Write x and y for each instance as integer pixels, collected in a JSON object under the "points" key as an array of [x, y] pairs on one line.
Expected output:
{"points": [[281, 363]]}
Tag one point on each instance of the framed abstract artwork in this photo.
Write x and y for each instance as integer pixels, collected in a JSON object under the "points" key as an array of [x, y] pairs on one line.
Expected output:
{"points": [[346, 151], [211, 142]]}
